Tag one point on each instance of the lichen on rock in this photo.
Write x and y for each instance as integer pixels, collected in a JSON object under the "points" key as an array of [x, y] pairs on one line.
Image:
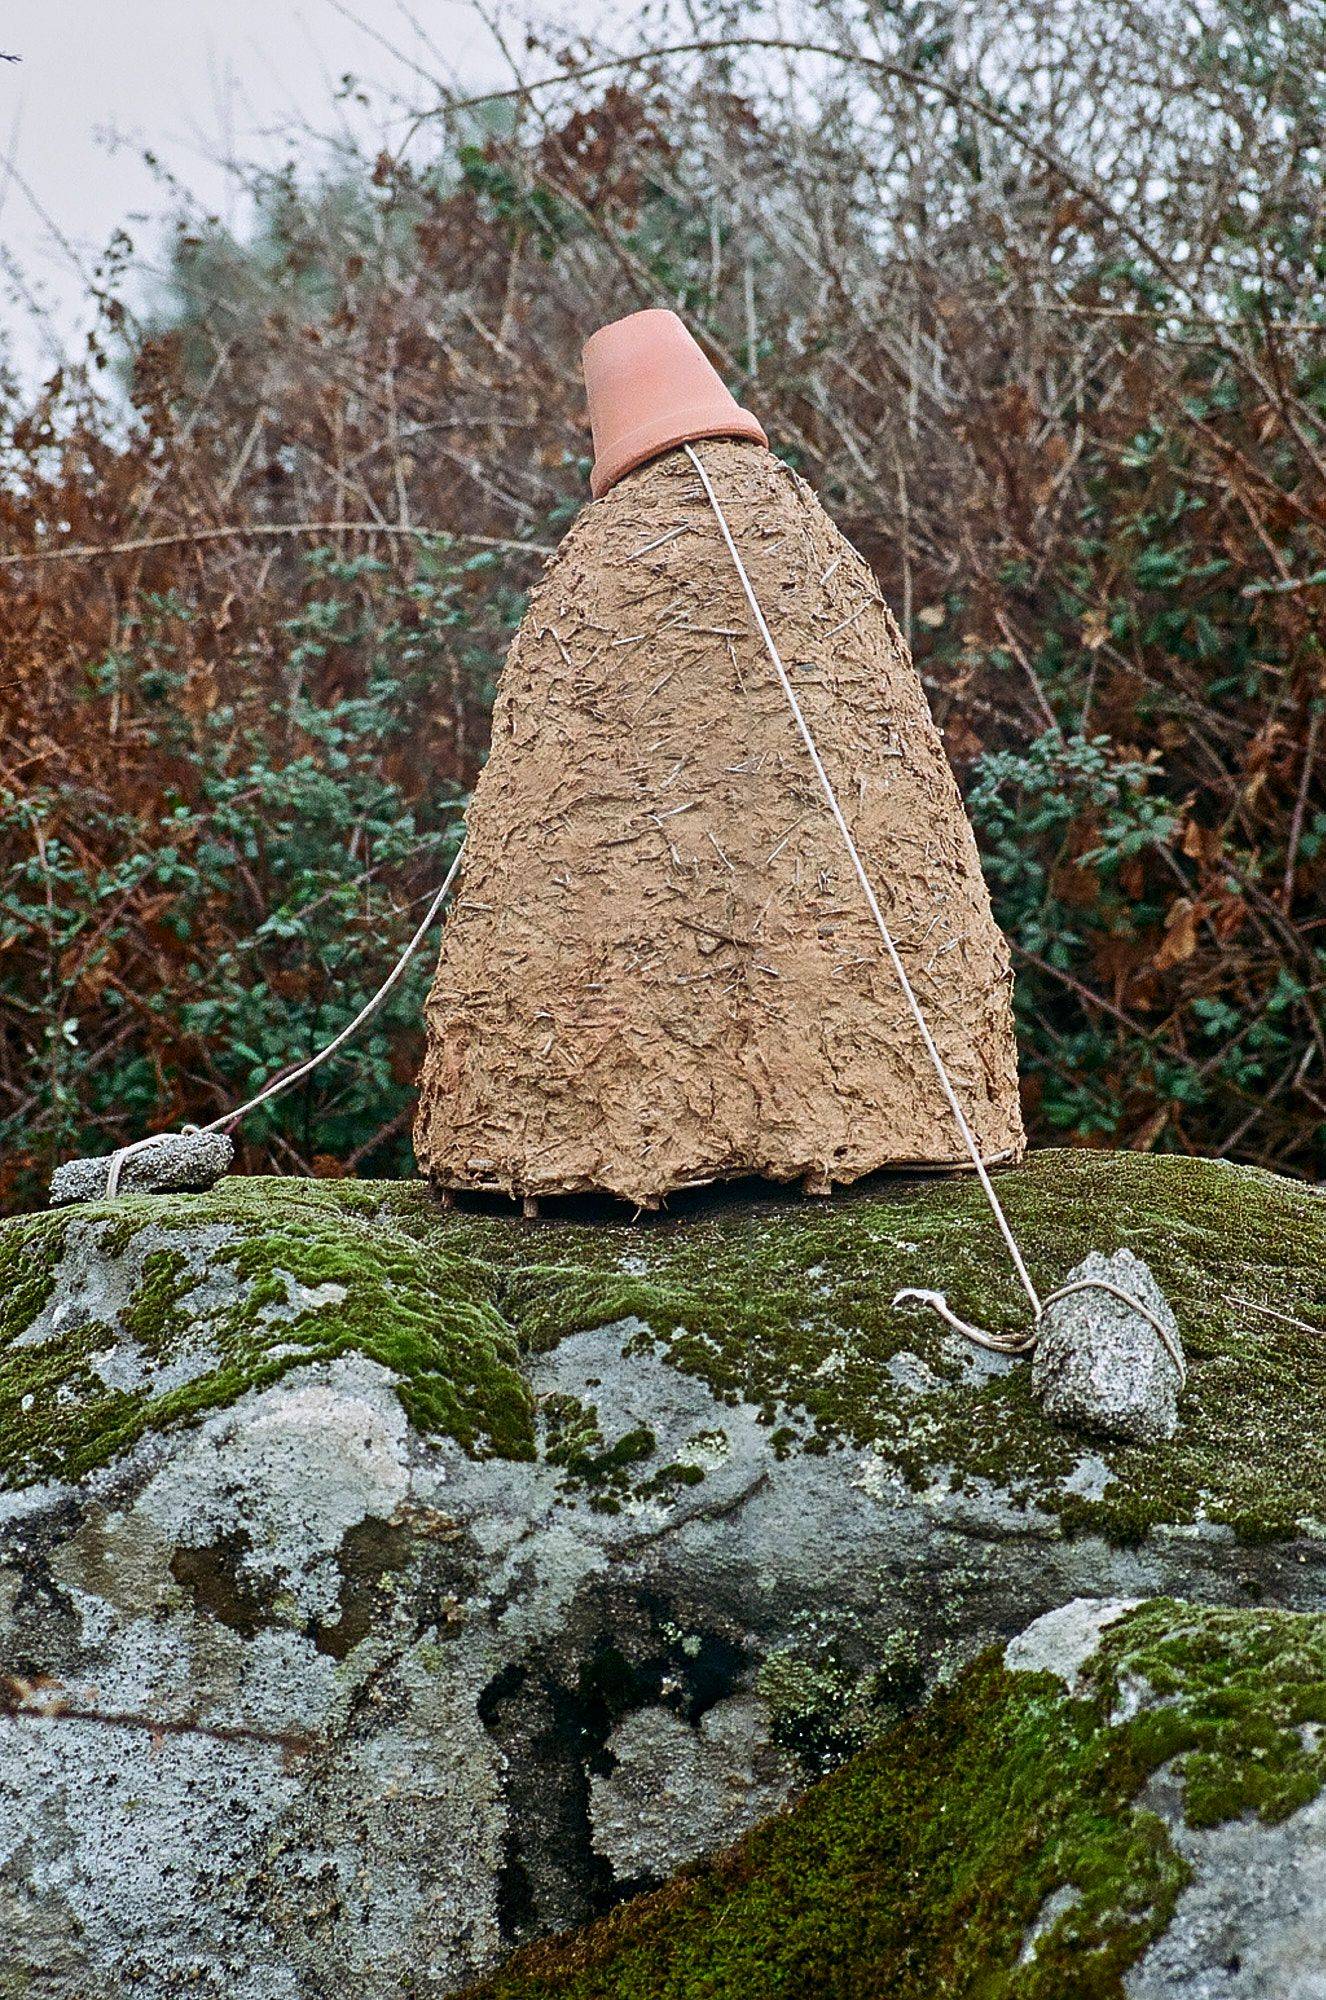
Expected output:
{"points": [[408, 1585], [788, 1306]]}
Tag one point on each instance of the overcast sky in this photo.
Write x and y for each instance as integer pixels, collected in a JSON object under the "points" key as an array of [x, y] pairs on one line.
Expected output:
{"points": [[100, 80]]}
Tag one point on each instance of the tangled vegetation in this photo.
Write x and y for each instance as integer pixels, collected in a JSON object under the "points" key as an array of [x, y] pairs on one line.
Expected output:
{"points": [[1035, 297]]}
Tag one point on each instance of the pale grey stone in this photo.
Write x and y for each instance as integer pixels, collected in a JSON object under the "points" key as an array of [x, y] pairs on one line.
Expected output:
{"points": [[1251, 1924], [1101, 1366], [181, 1163], [1062, 1641], [675, 1786], [1089, 1479], [1057, 1904]]}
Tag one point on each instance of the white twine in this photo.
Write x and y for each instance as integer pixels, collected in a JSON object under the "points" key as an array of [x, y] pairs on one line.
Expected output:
{"points": [[1023, 1343], [1001, 1343], [289, 1078]]}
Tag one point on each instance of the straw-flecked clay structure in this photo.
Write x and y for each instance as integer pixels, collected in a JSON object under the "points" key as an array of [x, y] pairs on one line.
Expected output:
{"points": [[659, 969]]}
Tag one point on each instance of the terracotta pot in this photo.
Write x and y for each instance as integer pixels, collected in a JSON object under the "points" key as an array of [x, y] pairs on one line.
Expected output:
{"points": [[650, 389]]}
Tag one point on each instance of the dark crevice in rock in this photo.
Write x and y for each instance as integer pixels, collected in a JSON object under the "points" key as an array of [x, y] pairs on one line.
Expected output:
{"points": [[214, 1578], [555, 1725], [499, 1707], [551, 1875], [39, 1604], [369, 1551]]}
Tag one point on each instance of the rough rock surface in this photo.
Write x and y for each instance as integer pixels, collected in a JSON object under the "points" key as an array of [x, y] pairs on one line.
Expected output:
{"points": [[382, 1588], [183, 1163], [1143, 1818], [1062, 1642], [675, 1789], [1102, 1366], [658, 968], [1252, 1921]]}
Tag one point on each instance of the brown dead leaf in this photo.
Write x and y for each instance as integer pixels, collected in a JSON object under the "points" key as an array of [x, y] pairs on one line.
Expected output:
{"points": [[1180, 940], [1202, 843], [1228, 917], [961, 740], [1095, 630]]}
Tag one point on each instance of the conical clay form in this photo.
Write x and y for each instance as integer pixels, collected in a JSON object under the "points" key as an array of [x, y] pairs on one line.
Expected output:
{"points": [[659, 969]]}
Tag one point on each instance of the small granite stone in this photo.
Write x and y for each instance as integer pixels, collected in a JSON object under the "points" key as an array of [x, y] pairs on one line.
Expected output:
{"points": [[1101, 1366], [184, 1163]]}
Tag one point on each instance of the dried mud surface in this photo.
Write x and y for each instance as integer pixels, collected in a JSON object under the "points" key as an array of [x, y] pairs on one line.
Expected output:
{"points": [[658, 969]]}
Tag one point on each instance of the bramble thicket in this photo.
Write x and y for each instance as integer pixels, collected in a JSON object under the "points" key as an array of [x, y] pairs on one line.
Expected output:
{"points": [[1034, 296]]}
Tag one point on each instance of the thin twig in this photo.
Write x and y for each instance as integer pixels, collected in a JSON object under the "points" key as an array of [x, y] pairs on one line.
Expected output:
{"points": [[261, 530], [1288, 1319], [1301, 802]]}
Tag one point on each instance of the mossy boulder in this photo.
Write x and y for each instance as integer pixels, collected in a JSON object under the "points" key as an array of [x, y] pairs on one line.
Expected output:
{"points": [[120, 1319], [406, 1584], [1063, 1822], [782, 1305], [788, 1306]]}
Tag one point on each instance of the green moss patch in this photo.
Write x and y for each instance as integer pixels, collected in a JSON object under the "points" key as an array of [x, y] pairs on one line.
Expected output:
{"points": [[788, 1305], [211, 1295], [920, 1868]]}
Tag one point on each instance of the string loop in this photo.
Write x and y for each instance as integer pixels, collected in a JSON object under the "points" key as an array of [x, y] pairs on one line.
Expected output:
{"points": [[289, 1078]]}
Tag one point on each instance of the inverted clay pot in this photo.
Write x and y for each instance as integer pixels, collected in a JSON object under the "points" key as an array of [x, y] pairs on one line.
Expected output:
{"points": [[650, 389], [659, 969]]}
